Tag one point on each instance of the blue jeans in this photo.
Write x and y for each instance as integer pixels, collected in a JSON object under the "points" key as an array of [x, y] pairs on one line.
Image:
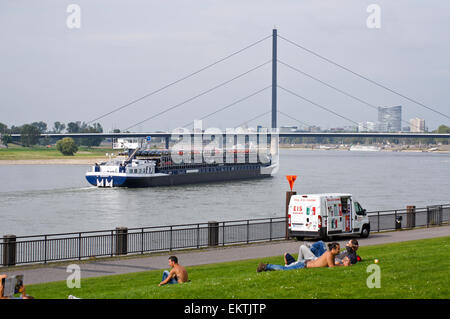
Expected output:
{"points": [[171, 281], [296, 265], [318, 248]]}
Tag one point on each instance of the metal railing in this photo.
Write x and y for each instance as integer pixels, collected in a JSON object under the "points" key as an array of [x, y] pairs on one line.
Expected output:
{"points": [[123, 241], [404, 219]]}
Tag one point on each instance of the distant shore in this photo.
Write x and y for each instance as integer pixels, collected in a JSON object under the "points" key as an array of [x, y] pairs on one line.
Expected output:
{"points": [[58, 161], [97, 158]]}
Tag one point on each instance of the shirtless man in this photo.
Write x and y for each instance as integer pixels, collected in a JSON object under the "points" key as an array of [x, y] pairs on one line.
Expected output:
{"points": [[176, 275], [326, 260]]}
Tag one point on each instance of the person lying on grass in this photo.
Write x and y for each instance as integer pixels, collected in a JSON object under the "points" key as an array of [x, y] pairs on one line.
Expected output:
{"points": [[326, 260], [306, 252], [176, 275], [314, 251], [349, 252]]}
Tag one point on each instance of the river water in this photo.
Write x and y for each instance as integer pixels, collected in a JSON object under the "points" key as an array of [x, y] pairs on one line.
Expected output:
{"points": [[38, 199]]}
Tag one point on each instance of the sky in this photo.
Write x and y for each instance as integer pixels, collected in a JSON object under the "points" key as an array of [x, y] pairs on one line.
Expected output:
{"points": [[124, 50]]}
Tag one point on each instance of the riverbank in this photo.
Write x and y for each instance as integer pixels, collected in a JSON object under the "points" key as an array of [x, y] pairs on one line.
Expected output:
{"points": [[382, 148], [61, 161], [41, 155], [85, 156]]}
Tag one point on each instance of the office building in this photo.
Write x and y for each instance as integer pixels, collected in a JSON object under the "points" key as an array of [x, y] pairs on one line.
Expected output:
{"points": [[390, 119], [417, 125]]}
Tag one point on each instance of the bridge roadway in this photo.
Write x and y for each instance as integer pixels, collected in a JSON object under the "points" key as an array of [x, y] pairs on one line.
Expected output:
{"points": [[34, 274], [280, 134]]}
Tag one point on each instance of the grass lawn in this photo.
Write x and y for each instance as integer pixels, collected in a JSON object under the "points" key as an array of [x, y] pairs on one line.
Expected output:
{"points": [[415, 269], [15, 152]]}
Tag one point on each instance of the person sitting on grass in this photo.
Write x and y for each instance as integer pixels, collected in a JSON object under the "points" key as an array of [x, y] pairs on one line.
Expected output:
{"points": [[21, 290], [176, 275], [326, 260]]}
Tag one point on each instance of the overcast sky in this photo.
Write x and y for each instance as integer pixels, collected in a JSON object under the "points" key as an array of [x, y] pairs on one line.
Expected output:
{"points": [[126, 49]]}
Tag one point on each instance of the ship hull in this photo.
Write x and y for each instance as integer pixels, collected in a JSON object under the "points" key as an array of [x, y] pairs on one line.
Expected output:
{"points": [[122, 180]]}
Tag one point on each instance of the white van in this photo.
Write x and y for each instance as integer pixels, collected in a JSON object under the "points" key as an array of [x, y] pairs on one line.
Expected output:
{"points": [[326, 215]]}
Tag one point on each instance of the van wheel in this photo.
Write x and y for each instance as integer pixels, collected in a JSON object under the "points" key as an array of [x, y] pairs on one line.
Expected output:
{"points": [[365, 231], [300, 238]]}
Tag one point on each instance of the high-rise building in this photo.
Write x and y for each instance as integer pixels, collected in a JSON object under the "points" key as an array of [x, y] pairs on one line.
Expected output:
{"points": [[390, 119], [367, 127], [417, 125]]}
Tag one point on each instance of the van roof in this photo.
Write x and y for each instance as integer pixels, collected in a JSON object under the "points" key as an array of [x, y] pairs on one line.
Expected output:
{"points": [[325, 195]]}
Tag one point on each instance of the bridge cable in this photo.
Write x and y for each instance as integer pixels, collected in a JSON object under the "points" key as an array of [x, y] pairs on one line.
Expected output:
{"points": [[199, 95], [363, 77], [333, 87], [293, 118], [179, 80], [230, 105], [316, 104], [254, 118]]}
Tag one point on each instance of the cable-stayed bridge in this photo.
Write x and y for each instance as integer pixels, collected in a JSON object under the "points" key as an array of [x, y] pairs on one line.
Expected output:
{"points": [[274, 110]]}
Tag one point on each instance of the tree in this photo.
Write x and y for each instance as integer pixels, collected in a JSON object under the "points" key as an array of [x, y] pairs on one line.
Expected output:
{"points": [[6, 139], [29, 135], [3, 128], [58, 127], [41, 126], [67, 146], [91, 141], [74, 127]]}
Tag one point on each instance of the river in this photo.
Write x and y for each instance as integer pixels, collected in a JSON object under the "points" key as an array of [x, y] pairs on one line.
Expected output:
{"points": [[38, 199]]}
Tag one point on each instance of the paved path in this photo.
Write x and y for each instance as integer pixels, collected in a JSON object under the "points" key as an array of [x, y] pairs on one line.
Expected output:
{"points": [[103, 267]]}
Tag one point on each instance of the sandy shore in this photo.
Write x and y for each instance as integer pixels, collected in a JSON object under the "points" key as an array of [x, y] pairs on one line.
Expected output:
{"points": [[62, 161]]}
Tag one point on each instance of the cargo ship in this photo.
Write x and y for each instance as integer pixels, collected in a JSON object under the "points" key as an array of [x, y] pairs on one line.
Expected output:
{"points": [[140, 167]]}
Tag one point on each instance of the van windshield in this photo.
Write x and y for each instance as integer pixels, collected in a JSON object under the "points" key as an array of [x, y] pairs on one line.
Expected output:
{"points": [[358, 209]]}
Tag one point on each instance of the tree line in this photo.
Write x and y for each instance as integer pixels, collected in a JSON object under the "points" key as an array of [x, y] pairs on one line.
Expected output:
{"points": [[30, 133]]}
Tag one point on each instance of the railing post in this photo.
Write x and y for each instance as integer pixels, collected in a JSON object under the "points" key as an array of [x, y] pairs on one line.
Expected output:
{"points": [[198, 235], [248, 230], [121, 240], [213, 233], [9, 250], [170, 245], [270, 232], [411, 216], [112, 243], [142, 241], [378, 221], [223, 234], [45, 249], [79, 246]]}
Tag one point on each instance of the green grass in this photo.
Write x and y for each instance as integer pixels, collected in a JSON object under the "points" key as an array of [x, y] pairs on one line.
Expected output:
{"points": [[415, 269], [15, 152]]}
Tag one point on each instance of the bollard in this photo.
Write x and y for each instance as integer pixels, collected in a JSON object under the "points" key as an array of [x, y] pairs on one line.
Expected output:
{"points": [[121, 240], [410, 216], [288, 200], [213, 233], [9, 250]]}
